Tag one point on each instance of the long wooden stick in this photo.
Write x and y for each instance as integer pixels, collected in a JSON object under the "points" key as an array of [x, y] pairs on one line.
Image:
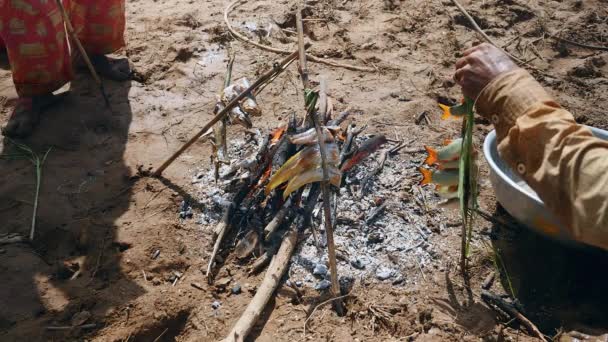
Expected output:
{"points": [[482, 33], [87, 61], [277, 69], [302, 68], [269, 284], [329, 230], [333, 267]]}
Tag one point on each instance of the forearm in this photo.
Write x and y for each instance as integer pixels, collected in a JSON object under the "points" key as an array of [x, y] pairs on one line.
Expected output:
{"points": [[559, 159]]}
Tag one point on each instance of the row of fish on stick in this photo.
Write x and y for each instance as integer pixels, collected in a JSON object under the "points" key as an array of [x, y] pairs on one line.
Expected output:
{"points": [[443, 163]]}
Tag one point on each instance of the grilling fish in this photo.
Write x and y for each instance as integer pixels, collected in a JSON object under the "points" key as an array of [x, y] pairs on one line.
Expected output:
{"points": [[307, 159], [310, 176], [448, 153], [451, 165], [440, 177], [247, 107], [310, 136]]}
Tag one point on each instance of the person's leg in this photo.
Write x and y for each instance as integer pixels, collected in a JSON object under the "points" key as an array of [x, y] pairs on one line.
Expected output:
{"points": [[37, 50], [100, 26]]}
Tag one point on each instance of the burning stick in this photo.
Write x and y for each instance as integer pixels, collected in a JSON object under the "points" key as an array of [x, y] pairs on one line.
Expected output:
{"points": [[224, 226], [267, 77], [367, 148], [285, 214]]}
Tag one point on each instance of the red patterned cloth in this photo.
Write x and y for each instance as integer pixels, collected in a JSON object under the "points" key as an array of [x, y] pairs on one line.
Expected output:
{"points": [[35, 39]]}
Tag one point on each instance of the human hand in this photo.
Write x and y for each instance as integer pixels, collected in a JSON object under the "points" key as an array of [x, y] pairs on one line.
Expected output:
{"points": [[479, 66]]}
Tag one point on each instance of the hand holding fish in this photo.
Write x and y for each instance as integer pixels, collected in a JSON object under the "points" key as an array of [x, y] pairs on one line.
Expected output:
{"points": [[479, 66]]}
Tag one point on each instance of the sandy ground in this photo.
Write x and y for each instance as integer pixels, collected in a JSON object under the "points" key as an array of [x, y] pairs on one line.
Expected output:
{"points": [[100, 218]]}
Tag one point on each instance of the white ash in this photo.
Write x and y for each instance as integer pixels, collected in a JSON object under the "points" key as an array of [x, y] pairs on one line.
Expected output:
{"points": [[396, 247], [213, 197]]}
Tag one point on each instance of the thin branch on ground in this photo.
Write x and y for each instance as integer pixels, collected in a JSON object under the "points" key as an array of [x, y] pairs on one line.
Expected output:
{"points": [[312, 58]]}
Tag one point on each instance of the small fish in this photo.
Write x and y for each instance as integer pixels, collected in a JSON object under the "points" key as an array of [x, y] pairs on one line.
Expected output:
{"points": [[310, 136], [457, 111], [302, 161], [368, 147], [247, 107], [448, 153], [236, 115], [310, 176], [447, 192], [450, 165], [444, 178]]}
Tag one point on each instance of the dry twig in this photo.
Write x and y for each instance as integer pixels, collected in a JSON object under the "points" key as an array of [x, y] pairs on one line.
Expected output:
{"points": [[482, 33], [312, 58], [494, 300]]}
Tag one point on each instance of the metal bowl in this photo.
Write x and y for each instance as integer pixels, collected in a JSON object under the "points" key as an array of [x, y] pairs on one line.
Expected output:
{"points": [[518, 198]]}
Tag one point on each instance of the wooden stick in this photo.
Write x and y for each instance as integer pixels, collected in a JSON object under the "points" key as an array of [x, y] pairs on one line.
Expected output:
{"points": [[277, 69], [493, 300], [272, 226], [312, 58], [585, 46], [224, 226], [269, 284], [302, 53], [482, 33], [87, 61], [331, 249], [329, 231]]}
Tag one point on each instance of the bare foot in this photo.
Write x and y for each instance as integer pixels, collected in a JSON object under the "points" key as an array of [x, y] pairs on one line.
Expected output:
{"points": [[110, 68], [26, 115]]}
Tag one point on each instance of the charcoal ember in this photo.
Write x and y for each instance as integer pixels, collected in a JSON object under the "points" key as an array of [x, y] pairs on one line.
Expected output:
{"points": [[320, 270], [322, 285], [306, 263], [375, 237], [358, 264], [346, 284], [185, 210]]}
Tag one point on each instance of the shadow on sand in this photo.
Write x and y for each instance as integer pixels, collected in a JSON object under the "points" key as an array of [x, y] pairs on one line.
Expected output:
{"points": [[73, 263], [559, 284]]}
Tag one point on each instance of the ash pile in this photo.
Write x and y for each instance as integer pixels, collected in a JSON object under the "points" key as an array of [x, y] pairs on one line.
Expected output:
{"points": [[382, 217]]}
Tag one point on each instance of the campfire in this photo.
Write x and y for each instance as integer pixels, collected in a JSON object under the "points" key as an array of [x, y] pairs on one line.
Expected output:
{"points": [[271, 188]]}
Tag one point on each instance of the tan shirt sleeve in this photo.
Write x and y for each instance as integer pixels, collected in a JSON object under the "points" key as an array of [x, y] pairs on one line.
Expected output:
{"points": [[561, 160]]}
